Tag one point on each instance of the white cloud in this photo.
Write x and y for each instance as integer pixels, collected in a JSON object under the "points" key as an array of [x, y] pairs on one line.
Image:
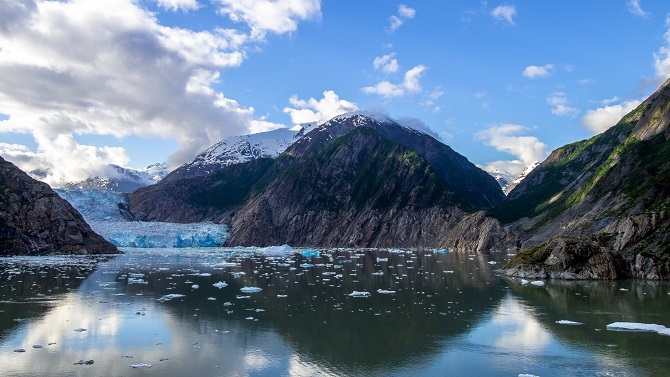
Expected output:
{"points": [[175, 5], [602, 118], [276, 16], [409, 85], [586, 81], [418, 124], [509, 138], [504, 13], [386, 63], [559, 105], [113, 69], [537, 71], [635, 8], [662, 58], [313, 110], [404, 13]]}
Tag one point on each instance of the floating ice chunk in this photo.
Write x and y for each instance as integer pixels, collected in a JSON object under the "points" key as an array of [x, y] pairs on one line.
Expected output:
{"points": [[623, 289], [136, 281], [378, 273], [440, 251], [306, 265], [276, 249], [170, 297], [634, 326], [195, 286], [211, 298], [449, 271], [527, 375], [360, 294], [221, 284], [385, 292], [141, 365], [524, 282], [282, 296], [382, 259], [566, 322], [240, 297], [311, 253], [226, 264], [538, 283], [250, 289], [492, 262]]}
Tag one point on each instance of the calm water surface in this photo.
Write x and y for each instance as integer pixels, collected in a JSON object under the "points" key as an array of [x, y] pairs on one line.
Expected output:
{"points": [[240, 312]]}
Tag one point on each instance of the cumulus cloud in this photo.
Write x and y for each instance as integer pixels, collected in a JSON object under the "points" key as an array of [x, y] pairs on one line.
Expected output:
{"points": [[510, 138], [404, 13], [386, 63], [602, 118], [275, 16], [113, 69], [175, 5], [635, 8], [505, 14], [537, 71], [313, 110], [559, 105], [662, 57], [409, 85]]}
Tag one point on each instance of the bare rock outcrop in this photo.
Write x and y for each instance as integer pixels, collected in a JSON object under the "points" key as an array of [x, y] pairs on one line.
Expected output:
{"points": [[34, 220]]}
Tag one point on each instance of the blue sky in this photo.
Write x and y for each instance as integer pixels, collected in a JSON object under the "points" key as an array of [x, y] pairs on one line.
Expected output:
{"points": [[85, 83]]}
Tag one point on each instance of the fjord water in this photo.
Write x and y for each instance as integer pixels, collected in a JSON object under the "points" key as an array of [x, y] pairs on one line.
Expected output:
{"points": [[176, 312]]}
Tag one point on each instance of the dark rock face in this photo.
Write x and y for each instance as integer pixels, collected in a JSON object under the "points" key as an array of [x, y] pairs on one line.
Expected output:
{"points": [[612, 190], [34, 220]]}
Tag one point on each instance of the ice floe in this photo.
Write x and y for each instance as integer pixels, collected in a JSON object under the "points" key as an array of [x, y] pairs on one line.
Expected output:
{"points": [[634, 326], [566, 322]]}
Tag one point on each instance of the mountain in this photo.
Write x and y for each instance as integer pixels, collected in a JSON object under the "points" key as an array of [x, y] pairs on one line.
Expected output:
{"points": [[120, 179], [507, 181], [599, 208], [239, 149], [34, 220], [356, 180]]}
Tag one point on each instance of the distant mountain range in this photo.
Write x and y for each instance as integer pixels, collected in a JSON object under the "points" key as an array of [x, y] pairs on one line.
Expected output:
{"points": [[122, 179], [594, 209]]}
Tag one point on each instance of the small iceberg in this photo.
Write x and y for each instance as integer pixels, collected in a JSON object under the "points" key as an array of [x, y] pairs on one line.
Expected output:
{"points": [[170, 297], [633, 326], [537, 283], [136, 281], [360, 294], [250, 289], [385, 292], [306, 265], [566, 322], [221, 284], [141, 365], [311, 253]]}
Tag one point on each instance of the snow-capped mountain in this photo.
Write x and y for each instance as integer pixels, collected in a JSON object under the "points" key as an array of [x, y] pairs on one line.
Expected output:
{"points": [[239, 149], [120, 179], [508, 182]]}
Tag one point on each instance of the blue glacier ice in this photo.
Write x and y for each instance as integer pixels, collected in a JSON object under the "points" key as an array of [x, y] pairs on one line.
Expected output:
{"points": [[100, 209]]}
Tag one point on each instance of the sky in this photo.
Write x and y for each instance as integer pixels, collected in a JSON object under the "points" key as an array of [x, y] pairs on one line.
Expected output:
{"points": [[86, 83]]}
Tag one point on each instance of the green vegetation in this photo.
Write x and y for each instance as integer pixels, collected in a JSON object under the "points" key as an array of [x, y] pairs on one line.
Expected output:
{"points": [[231, 186]]}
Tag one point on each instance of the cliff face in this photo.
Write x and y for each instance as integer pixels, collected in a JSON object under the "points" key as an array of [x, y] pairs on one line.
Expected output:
{"points": [[612, 190], [34, 220], [347, 183]]}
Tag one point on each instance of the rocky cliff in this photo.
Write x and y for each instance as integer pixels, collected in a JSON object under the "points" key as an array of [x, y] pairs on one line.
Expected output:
{"points": [[354, 181], [34, 220], [611, 192]]}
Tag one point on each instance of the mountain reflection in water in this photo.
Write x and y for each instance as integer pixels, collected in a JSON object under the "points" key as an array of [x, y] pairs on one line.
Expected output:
{"points": [[428, 313]]}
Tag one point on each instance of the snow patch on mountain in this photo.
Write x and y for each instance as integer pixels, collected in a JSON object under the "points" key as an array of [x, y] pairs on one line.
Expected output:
{"points": [[240, 149], [507, 182], [102, 211], [121, 179]]}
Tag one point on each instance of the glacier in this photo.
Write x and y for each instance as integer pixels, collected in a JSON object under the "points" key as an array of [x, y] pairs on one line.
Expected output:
{"points": [[100, 209]]}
